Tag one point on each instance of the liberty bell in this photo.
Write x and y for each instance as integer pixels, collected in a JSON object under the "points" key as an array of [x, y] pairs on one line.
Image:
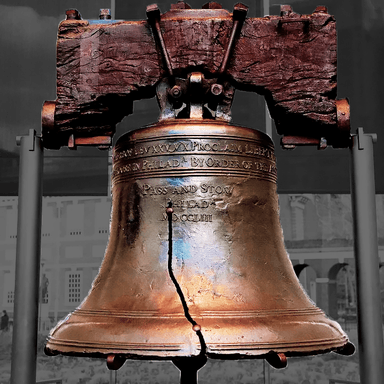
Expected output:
{"points": [[195, 265]]}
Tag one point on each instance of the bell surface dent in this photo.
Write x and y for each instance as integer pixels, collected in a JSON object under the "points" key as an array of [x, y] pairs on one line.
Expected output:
{"points": [[196, 259]]}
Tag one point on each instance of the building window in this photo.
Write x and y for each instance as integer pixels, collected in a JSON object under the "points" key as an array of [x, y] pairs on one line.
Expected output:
{"points": [[10, 297], [44, 289], [49, 221], [75, 219], [73, 287], [9, 288], [102, 216], [11, 223], [297, 203]]}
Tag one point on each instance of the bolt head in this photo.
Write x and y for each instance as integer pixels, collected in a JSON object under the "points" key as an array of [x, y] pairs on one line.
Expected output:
{"points": [[176, 91], [105, 14], [321, 9], [153, 12], [72, 14], [240, 11], [217, 89], [285, 10]]}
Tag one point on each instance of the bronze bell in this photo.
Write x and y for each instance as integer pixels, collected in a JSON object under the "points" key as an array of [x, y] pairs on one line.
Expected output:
{"points": [[196, 264], [196, 261]]}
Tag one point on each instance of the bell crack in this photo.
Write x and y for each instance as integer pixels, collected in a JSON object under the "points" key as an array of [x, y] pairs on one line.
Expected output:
{"points": [[195, 326]]}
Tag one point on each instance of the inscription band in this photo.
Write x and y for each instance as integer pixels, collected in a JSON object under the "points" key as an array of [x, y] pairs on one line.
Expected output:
{"points": [[195, 157]]}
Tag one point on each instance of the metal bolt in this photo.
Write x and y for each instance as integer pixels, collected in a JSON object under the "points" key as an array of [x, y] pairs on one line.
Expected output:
{"points": [[240, 11], [73, 14], [217, 89], [321, 9], [153, 15], [285, 10], [105, 14], [176, 91], [323, 143], [153, 12]]}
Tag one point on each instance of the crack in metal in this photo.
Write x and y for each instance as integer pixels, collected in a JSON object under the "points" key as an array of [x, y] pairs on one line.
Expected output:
{"points": [[188, 365], [196, 327]]}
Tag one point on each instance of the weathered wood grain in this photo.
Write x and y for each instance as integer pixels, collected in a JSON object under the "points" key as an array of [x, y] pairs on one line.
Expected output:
{"points": [[102, 68]]}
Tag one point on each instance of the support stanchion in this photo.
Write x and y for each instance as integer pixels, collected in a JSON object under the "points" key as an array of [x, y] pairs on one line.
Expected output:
{"points": [[267, 372], [23, 365], [370, 331]]}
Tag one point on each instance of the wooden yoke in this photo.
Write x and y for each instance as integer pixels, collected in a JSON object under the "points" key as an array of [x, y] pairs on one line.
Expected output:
{"points": [[103, 65]]}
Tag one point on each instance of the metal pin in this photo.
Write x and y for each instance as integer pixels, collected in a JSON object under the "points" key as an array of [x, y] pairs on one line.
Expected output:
{"points": [[239, 15], [153, 15]]}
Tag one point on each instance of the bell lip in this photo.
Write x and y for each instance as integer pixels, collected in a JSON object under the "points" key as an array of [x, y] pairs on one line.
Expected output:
{"points": [[261, 353], [288, 352], [55, 347], [202, 128], [330, 338], [213, 348]]}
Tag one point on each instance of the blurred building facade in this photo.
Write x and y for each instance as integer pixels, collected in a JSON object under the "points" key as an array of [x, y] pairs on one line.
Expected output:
{"points": [[317, 232]]}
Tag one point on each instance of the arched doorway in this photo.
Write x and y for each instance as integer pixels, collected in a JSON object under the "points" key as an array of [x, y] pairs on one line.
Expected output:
{"points": [[342, 293], [307, 277]]}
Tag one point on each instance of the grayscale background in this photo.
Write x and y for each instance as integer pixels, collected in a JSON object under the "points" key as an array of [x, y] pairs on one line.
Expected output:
{"points": [[313, 188]]}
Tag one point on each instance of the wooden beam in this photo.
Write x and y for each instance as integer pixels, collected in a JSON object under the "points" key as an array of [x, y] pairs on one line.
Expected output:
{"points": [[103, 66]]}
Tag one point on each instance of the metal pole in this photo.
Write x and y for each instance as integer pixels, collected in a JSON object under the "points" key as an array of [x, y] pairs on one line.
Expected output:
{"points": [[23, 364], [267, 372], [113, 9], [370, 331], [268, 119], [266, 7]]}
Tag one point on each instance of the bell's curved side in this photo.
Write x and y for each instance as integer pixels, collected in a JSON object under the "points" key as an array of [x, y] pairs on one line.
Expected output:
{"points": [[227, 254]]}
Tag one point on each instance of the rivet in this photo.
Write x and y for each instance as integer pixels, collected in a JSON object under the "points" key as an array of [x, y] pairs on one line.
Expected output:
{"points": [[105, 14], [217, 89], [176, 91], [321, 9], [285, 10], [73, 14]]}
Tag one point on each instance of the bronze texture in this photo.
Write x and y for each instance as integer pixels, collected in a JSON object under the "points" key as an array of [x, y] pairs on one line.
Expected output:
{"points": [[196, 262]]}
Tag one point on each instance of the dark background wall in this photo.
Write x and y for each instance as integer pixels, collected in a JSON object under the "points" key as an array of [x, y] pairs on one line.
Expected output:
{"points": [[27, 79]]}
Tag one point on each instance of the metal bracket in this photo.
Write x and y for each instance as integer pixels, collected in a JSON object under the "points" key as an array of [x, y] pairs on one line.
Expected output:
{"points": [[290, 142], [186, 96], [31, 140], [359, 135], [102, 142], [196, 85]]}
